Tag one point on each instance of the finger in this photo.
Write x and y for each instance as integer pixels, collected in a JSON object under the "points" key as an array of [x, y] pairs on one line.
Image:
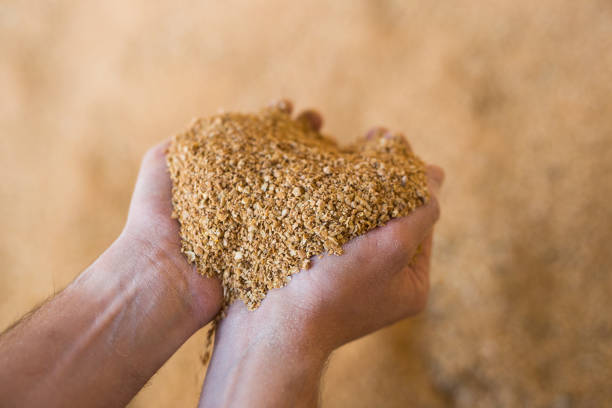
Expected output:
{"points": [[153, 186], [400, 237], [406, 233], [379, 137], [312, 118], [435, 178], [376, 132], [416, 225], [383, 132]]}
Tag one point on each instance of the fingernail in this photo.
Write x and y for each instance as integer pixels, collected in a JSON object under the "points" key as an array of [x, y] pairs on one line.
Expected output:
{"points": [[375, 132]]}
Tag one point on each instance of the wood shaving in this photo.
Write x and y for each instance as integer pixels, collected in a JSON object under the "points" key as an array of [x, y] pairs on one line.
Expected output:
{"points": [[258, 195]]}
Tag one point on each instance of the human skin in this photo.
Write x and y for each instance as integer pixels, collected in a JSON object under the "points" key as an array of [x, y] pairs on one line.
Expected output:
{"points": [[99, 341], [275, 356]]}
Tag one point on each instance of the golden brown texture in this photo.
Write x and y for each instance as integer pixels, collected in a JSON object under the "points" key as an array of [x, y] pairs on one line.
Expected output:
{"points": [[258, 195]]}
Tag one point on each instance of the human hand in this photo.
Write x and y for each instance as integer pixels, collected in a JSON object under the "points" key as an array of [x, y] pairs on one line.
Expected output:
{"points": [[99, 340], [382, 277], [153, 233], [274, 356]]}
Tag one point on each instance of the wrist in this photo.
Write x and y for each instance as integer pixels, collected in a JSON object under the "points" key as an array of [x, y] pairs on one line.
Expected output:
{"points": [[163, 268], [284, 334], [135, 271], [253, 355], [123, 314]]}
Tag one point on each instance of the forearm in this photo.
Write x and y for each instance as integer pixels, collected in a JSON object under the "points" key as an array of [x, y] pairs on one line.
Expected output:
{"points": [[258, 367], [102, 338]]}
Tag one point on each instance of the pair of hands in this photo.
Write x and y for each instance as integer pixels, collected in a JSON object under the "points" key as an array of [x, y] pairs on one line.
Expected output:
{"points": [[382, 277], [99, 340]]}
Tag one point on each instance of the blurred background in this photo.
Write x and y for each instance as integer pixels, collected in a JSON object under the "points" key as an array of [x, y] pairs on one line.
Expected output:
{"points": [[512, 97]]}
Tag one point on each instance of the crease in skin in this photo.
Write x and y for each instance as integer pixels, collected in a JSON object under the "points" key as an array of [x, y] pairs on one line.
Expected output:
{"points": [[94, 333], [177, 279], [130, 305], [121, 295]]}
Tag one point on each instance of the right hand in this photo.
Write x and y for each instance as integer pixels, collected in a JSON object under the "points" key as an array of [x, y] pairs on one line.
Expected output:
{"points": [[382, 277], [274, 356]]}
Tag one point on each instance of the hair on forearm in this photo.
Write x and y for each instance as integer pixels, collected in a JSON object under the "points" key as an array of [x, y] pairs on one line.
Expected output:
{"points": [[26, 317]]}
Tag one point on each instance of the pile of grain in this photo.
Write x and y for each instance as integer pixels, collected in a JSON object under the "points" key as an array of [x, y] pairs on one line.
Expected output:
{"points": [[258, 195]]}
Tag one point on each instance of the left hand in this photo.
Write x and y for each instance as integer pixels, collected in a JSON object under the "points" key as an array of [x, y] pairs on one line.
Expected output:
{"points": [[153, 232]]}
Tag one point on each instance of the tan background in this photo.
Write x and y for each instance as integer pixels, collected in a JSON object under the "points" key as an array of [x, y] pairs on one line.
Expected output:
{"points": [[513, 98]]}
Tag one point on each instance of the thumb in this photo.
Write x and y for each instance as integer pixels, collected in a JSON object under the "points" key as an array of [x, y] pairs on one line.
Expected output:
{"points": [[153, 191], [435, 178], [412, 230]]}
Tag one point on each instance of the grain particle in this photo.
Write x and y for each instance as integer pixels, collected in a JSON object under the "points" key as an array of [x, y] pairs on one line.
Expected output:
{"points": [[297, 191]]}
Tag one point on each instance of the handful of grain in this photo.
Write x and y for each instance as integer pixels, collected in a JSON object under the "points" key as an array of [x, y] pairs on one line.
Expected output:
{"points": [[258, 195]]}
